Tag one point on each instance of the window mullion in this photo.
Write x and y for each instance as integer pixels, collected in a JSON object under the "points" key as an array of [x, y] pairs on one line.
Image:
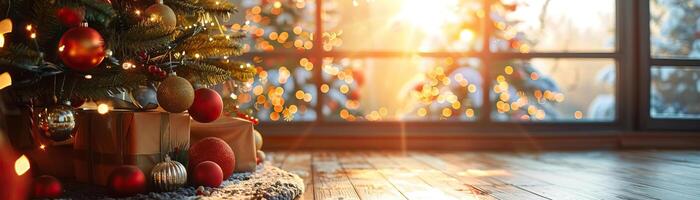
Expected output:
{"points": [[485, 55]]}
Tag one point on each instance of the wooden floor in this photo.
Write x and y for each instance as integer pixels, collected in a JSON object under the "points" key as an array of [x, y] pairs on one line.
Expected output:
{"points": [[480, 175]]}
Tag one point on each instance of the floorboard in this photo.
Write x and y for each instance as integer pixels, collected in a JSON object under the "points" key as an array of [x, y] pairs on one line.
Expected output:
{"points": [[591, 175]]}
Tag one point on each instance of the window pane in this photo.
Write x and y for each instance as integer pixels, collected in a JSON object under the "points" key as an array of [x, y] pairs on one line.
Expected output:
{"points": [[402, 25], [553, 26], [401, 89], [675, 28], [675, 92], [275, 25], [554, 90], [283, 90]]}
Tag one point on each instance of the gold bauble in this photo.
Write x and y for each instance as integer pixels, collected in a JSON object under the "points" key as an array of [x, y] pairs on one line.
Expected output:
{"points": [[160, 12], [258, 140], [175, 94]]}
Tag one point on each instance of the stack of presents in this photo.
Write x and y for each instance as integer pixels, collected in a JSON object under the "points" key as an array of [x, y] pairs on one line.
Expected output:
{"points": [[102, 142]]}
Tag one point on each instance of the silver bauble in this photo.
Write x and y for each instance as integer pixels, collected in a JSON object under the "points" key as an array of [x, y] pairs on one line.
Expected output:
{"points": [[168, 175], [145, 97], [57, 122]]}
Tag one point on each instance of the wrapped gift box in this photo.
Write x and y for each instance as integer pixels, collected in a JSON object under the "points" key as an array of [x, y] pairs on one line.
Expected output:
{"points": [[237, 132], [104, 142]]}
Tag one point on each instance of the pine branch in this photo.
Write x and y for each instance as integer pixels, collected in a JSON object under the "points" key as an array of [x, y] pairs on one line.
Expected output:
{"points": [[195, 7], [19, 55], [210, 46], [108, 84], [145, 36], [203, 73]]}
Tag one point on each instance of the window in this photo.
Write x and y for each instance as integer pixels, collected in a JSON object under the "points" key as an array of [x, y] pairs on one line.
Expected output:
{"points": [[671, 64], [468, 63]]}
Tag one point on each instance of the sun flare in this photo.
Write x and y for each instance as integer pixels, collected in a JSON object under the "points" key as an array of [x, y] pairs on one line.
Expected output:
{"points": [[429, 17]]}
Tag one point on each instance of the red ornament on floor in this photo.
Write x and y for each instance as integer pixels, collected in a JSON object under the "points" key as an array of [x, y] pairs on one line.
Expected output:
{"points": [[47, 187], [207, 105], [208, 174], [126, 181], [81, 48], [215, 150]]}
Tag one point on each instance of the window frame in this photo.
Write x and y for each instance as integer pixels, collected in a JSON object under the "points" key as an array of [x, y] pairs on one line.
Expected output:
{"points": [[646, 61], [626, 89]]}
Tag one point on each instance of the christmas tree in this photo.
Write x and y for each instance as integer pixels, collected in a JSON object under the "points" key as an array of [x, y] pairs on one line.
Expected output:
{"points": [[96, 49]]}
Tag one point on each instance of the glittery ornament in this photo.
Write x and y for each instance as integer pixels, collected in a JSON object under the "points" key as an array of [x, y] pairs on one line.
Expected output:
{"points": [[175, 94], [160, 12]]}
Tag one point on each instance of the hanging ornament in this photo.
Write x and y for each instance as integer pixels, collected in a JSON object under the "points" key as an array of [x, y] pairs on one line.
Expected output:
{"points": [[175, 94], [168, 175], [126, 180], [208, 174], [5, 27], [57, 122], [207, 105], [71, 17], [145, 97], [160, 12], [47, 187], [81, 48], [258, 139]]}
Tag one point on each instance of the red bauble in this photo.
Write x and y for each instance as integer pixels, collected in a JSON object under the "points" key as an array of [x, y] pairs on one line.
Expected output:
{"points": [[81, 48], [215, 150], [47, 187], [126, 180], [208, 174], [13, 186], [207, 105], [71, 17]]}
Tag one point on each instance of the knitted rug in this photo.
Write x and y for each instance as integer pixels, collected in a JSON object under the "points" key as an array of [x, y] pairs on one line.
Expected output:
{"points": [[267, 182]]}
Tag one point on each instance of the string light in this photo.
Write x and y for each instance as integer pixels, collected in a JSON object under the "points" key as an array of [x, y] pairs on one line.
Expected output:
{"points": [[42, 147], [102, 108], [22, 165], [88, 76]]}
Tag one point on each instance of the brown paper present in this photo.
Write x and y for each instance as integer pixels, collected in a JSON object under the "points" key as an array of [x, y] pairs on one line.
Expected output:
{"points": [[237, 132], [125, 138]]}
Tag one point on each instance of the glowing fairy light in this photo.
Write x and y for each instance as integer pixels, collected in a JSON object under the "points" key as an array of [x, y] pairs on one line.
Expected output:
{"points": [[5, 80], [42, 147], [22, 165], [88, 76], [102, 108], [33, 35]]}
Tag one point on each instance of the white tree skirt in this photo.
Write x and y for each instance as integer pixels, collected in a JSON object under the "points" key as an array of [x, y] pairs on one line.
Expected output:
{"points": [[267, 182]]}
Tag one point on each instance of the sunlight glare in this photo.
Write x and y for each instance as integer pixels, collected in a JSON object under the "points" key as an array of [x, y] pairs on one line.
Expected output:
{"points": [[430, 17]]}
